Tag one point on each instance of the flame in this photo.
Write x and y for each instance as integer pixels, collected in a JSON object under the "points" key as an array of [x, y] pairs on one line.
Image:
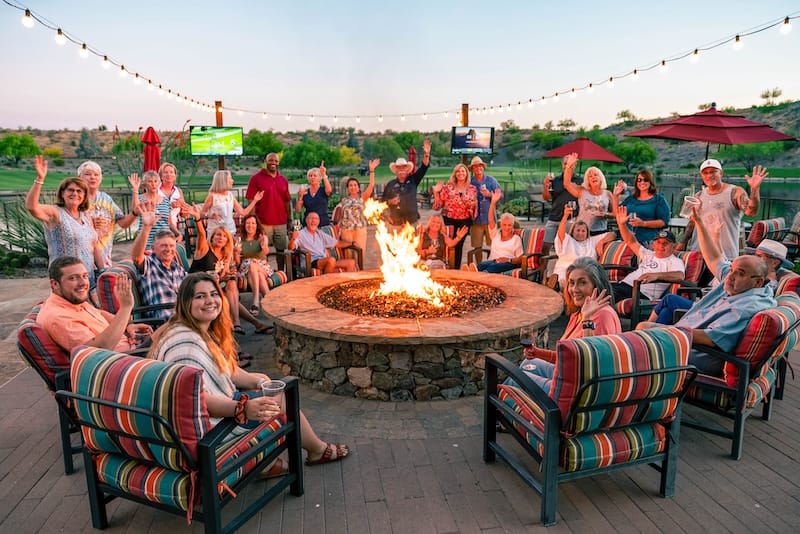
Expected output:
{"points": [[400, 260]]}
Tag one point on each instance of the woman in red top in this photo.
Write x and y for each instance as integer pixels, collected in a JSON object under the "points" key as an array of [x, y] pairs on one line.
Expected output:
{"points": [[458, 200]]}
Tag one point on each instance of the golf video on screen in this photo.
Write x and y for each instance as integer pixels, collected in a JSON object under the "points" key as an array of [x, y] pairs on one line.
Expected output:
{"points": [[472, 140], [216, 140]]}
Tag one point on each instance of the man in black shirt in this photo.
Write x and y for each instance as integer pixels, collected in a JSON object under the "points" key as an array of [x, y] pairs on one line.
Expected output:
{"points": [[555, 192], [401, 192]]}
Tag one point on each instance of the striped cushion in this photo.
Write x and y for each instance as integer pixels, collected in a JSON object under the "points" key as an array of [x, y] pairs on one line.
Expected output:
{"points": [[766, 229], [588, 451], [232, 449], [39, 350], [146, 481], [518, 401], [617, 253], [173, 391], [107, 281], [580, 360], [788, 282], [532, 243]]}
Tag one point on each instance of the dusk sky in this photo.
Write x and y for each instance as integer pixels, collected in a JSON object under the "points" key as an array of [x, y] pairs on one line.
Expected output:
{"points": [[359, 58]]}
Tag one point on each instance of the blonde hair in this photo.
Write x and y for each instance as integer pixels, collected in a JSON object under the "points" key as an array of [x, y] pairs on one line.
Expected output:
{"points": [[227, 249], [603, 184], [452, 180], [219, 184]]}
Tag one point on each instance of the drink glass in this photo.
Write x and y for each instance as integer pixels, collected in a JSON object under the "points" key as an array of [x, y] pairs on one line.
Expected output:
{"points": [[296, 225], [527, 334], [573, 205], [688, 204]]}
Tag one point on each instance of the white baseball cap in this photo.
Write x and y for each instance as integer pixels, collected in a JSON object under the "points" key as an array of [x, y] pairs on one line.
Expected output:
{"points": [[710, 163]]}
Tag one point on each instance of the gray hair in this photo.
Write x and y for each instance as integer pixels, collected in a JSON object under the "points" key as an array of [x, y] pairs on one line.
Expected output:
{"points": [[596, 274], [89, 165], [507, 216]]}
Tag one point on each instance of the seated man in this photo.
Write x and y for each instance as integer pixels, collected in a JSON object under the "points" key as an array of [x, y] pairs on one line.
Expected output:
{"points": [[317, 243], [71, 320], [720, 318], [161, 272], [657, 264]]}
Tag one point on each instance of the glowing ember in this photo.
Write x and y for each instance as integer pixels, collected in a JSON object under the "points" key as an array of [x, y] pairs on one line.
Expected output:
{"points": [[400, 261]]}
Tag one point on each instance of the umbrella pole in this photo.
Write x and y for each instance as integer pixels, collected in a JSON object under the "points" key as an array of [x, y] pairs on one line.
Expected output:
{"points": [[707, 145]]}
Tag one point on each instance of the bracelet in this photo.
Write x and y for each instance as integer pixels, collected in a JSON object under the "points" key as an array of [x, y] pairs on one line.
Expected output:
{"points": [[238, 412], [40, 182], [588, 325]]}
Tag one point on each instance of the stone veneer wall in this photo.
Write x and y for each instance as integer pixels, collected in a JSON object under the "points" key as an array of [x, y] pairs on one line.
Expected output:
{"points": [[388, 372]]}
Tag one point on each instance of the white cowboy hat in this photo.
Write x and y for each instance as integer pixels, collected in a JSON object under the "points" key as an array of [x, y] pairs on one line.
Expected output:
{"points": [[773, 249], [401, 162]]}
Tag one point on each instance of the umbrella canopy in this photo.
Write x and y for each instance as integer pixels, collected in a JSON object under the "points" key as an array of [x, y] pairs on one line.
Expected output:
{"points": [[713, 126], [152, 152], [586, 150]]}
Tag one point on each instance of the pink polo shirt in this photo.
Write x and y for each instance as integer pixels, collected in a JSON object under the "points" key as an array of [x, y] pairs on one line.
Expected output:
{"points": [[71, 325]]}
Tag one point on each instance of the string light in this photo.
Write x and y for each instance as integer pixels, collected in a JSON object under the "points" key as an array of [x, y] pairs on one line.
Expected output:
{"points": [[61, 40], [107, 63], [737, 43], [264, 116], [122, 72], [288, 117], [786, 26], [695, 57], [27, 19], [150, 85], [590, 89], [136, 79], [83, 51], [573, 94], [664, 67], [556, 98], [336, 119], [635, 76], [610, 83]]}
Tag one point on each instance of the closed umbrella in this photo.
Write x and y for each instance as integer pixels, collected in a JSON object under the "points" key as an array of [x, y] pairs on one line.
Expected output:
{"points": [[713, 126], [152, 152]]}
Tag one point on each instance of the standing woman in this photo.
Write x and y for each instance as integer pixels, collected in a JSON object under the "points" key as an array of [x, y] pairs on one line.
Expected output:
{"points": [[315, 196], [353, 224], [151, 200], [68, 230], [458, 200], [199, 335], [648, 211], [594, 198], [220, 204], [169, 174]]}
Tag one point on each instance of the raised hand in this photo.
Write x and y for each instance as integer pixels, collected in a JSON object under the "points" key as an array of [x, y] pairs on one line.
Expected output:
{"points": [[593, 303], [40, 164], [149, 217], [496, 194], [438, 187], [620, 187], [123, 291], [322, 171], [759, 173], [373, 164], [258, 196], [135, 182], [571, 161], [622, 215]]}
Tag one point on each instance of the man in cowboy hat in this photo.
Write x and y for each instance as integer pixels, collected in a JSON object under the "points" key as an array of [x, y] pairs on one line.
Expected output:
{"points": [[485, 186], [401, 192], [774, 255]]}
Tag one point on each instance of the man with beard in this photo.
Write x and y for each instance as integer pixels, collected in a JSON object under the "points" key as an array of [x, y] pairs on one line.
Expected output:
{"points": [[71, 320]]}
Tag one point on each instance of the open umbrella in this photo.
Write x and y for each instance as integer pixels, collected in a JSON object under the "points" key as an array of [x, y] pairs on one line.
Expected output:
{"points": [[712, 126], [586, 150], [152, 152]]}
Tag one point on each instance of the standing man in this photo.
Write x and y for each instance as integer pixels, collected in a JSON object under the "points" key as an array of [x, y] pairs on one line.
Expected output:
{"points": [[486, 185], [274, 208], [722, 207], [401, 192], [556, 193]]}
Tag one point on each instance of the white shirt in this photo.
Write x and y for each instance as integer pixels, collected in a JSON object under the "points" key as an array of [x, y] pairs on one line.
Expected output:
{"points": [[648, 263]]}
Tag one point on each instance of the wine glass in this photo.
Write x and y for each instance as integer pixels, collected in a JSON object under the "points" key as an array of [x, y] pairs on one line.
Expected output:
{"points": [[296, 225], [573, 206], [527, 334]]}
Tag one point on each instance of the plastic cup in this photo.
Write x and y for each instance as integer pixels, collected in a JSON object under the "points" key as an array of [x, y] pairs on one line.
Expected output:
{"points": [[688, 204], [272, 388]]}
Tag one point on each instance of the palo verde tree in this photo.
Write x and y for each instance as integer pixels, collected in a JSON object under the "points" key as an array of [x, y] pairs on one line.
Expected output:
{"points": [[18, 146]]}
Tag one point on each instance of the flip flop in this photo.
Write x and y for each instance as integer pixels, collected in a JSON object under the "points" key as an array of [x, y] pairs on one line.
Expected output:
{"points": [[278, 469], [342, 451], [267, 329], [237, 329], [254, 310]]}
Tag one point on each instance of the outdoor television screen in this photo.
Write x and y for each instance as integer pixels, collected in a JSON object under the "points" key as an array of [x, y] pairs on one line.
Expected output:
{"points": [[216, 140], [472, 140]]}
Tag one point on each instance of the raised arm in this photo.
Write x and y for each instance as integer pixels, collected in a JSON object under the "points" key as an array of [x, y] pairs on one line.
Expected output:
{"points": [[136, 183], [709, 245], [453, 241], [569, 170], [426, 152], [624, 233], [749, 205], [108, 338], [373, 164], [149, 219], [496, 194], [323, 172], [244, 212], [44, 212], [562, 225], [618, 189]]}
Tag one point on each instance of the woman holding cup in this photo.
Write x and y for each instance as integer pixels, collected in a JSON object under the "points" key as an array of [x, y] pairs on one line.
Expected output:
{"points": [[315, 196], [199, 335], [647, 208]]}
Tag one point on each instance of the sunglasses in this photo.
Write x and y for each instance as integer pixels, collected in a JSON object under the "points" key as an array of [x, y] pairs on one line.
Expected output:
{"points": [[643, 180]]}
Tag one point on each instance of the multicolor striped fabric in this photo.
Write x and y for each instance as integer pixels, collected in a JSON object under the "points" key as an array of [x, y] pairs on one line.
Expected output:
{"points": [[532, 244], [175, 392], [617, 253], [766, 229], [36, 348], [606, 436], [233, 449], [107, 281], [146, 481], [788, 282]]}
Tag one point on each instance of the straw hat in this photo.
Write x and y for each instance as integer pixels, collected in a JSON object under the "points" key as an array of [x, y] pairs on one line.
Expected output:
{"points": [[477, 161], [399, 164]]}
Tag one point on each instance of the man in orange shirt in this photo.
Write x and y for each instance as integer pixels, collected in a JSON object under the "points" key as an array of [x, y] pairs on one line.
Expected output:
{"points": [[71, 320]]}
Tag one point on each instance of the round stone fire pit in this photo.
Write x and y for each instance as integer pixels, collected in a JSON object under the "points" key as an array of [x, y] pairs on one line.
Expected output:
{"points": [[400, 359]]}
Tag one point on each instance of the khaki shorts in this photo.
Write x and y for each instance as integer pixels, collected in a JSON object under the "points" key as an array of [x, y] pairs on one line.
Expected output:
{"points": [[277, 235], [477, 233]]}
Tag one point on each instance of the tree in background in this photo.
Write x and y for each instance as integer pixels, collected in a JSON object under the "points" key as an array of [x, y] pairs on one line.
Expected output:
{"points": [[752, 154], [128, 155], [547, 139], [409, 139], [769, 96], [258, 143], [384, 148], [509, 126], [348, 156], [566, 124], [87, 146], [309, 153], [627, 115], [352, 140], [18, 146], [635, 153]]}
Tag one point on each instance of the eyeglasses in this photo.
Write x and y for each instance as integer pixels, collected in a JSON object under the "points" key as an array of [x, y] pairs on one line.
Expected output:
{"points": [[75, 190]]}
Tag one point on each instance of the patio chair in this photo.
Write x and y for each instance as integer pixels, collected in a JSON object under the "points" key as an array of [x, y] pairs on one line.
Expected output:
{"points": [[106, 283], [302, 269], [774, 229], [614, 402], [51, 363], [148, 439], [749, 374]]}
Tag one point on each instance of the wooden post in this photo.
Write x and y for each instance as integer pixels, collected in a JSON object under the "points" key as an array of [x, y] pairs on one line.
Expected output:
{"points": [[218, 114], [464, 122]]}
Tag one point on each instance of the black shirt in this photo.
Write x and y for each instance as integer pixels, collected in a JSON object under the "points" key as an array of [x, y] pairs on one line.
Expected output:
{"points": [[406, 211]]}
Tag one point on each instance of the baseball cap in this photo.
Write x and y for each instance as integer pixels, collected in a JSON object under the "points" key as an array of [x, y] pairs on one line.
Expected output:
{"points": [[710, 163], [666, 234]]}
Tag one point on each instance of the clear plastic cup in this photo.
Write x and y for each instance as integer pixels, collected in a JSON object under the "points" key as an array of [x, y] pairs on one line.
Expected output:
{"points": [[688, 204], [272, 388]]}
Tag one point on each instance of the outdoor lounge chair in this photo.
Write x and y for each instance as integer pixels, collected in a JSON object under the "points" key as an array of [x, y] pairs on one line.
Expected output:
{"points": [[148, 439], [614, 402]]}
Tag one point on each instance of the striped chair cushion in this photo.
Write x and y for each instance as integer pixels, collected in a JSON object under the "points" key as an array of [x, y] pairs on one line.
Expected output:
{"points": [[617, 253], [39, 350], [173, 391], [580, 360], [788, 282], [532, 243], [766, 229], [725, 400], [107, 281]]}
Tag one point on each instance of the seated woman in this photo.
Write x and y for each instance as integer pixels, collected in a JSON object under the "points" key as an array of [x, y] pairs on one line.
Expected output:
{"points": [[199, 335], [647, 208], [588, 299], [506, 250], [573, 245], [253, 262], [434, 242]]}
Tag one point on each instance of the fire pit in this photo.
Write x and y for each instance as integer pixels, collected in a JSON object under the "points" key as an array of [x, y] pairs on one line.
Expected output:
{"points": [[389, 358]]}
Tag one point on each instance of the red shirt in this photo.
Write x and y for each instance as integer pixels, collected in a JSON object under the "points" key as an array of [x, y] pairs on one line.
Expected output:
{"points": [[271, 209]]}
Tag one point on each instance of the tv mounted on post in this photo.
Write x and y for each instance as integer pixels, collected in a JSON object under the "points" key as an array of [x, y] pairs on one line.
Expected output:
{"points": [[216, 140], [472, 140]]}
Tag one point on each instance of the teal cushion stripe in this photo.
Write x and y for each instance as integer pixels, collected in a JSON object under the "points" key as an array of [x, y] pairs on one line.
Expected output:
{"points": [[603, 449], [231, 450], [153, 483]]}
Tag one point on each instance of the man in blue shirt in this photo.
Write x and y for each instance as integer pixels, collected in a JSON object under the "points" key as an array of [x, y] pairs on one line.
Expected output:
{"points": [[486, 185]]}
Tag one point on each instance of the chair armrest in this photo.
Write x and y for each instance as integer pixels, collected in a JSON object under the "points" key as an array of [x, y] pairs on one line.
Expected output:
{"points": [[359, 254], [530, 387], [477, 252]]}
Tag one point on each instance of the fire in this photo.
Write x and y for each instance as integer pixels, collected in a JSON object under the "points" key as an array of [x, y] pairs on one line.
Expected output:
{"points": [[400, 261]]}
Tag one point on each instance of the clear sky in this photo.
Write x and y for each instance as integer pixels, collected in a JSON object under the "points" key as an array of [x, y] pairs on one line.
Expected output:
{"points": [[364, 58]]}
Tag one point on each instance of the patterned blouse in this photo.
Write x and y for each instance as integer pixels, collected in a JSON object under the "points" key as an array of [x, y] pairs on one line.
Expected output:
{"points": [[458, 204], [72, 238], [352, 214]]}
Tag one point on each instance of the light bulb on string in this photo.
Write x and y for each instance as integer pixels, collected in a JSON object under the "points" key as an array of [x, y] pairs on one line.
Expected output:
{"points": [[610, 83], [288, 117], [556, 98], [635, 76], [122, 72], [424, 116], [664, 67], [446, 114], [500, 108], [311, 118], [519, 105], [27, 19], [358, 119], [737, 43], [60, 38], [543, 101], [335, 118], [150, 85], [402, 118], [572, 93], [264, 116], [491, 110], [136, 79], [786, 27], [380, 118], [530, 102], [590, 89], [83, 51], [106, 63], [169, 94], [695, 57], [160, 90]]}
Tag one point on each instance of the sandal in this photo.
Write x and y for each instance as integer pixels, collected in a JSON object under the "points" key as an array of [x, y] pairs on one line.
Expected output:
{"points": [[327, 457], [278, 469], [265, 329], [255, 310], [237, 329]]}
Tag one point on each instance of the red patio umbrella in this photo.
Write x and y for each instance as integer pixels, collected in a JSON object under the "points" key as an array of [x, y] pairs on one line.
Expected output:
{"points": [[152, 152], [713, 126], [586, 150]]}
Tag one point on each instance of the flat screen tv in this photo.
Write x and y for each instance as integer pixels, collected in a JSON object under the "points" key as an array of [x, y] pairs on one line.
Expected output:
{"points": [[216, 140], [472, 140]]}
